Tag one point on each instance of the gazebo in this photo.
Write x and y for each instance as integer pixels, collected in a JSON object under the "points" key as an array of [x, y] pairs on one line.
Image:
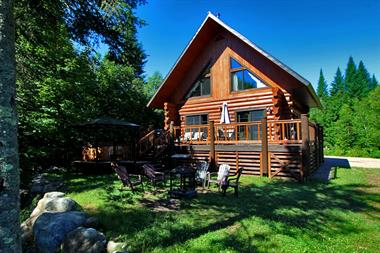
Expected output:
{"points": [[107, 139]]}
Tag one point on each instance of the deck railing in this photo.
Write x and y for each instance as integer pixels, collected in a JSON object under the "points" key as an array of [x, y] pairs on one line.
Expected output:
{"points": [[278, 132]]}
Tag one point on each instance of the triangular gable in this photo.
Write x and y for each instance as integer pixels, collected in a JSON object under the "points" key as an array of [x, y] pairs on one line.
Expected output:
{"points": [[302, 88]]}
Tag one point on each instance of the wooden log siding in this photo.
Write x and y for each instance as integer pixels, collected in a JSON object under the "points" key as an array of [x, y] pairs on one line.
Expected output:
{"points": [[254, 101]]}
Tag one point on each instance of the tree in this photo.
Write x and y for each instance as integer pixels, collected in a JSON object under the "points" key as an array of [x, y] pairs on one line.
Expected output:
{"points": [[350, 78], [9, 167], [363, 80], [154, 81], [113, 23], [322, 86], [337, 86], [373, 83]]}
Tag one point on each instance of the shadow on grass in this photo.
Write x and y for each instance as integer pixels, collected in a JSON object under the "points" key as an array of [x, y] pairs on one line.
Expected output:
{"points": [[282, 207]]}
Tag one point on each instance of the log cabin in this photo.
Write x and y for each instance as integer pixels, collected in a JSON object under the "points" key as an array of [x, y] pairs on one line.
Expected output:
{"points": [[229, 101]]}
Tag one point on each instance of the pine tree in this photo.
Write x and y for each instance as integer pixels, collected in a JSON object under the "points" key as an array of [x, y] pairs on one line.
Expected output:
{"points": [[322, 86], [373, 83], [363, 81], [350, 78], [337, 86]]}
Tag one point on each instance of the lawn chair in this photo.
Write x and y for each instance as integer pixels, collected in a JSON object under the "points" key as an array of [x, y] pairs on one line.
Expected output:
{"points": [[152, 174], [233, 182], [224, 170], [126, 178], [201, 172]]}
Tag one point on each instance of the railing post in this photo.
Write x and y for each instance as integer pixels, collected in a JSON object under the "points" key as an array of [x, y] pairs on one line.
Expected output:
{"points": [[212, 143], [316, 141], [264, 147], [305, 148], [171, 137], [322, 158]]}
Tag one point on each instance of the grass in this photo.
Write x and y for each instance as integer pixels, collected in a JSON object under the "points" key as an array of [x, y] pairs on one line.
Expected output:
{"points": [[268, 216]]}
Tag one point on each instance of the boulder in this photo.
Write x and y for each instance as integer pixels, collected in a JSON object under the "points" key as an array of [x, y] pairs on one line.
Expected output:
{"points": [[92, 222], [113, 247], [52, 202], [55, 202], [50, 228], [84, 240]]}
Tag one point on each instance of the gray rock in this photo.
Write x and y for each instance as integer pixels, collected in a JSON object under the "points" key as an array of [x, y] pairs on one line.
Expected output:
{"points": [[92, 222], [55, 202], [84, 240], [113, 247], [50, 228]]}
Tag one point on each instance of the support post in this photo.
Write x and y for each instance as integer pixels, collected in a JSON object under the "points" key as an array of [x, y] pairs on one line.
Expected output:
{"points": [[212, 143], [264, 147], [317, 147], [305, 149], [171, 137], [322, 157]]}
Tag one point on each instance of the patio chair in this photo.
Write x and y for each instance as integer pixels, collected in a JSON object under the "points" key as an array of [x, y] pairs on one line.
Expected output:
{"points": [[224, 170], [154, 176], [233, 182], [201, 172], [126, 178]]}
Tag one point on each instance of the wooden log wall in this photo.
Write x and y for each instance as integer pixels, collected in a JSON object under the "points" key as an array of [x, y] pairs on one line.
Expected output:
{"points": [[170, 114], [281, 164], [285, 165]]}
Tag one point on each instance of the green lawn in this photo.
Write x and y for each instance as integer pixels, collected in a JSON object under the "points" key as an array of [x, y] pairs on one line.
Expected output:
{"points": [[268, 216]]}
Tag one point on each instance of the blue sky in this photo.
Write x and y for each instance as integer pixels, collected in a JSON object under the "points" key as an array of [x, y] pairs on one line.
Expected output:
{"points": [[305, 35]]}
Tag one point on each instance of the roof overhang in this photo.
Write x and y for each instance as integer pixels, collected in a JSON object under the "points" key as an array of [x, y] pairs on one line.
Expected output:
{"points": [[304, 92]]}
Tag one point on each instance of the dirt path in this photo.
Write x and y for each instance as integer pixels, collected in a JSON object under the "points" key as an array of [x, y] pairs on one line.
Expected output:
{"points": [[325, 172]]}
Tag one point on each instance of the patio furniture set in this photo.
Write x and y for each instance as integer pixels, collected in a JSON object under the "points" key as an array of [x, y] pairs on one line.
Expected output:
{"points": [[183, 179]]}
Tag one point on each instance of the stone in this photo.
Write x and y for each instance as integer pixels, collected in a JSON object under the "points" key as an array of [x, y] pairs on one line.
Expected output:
{"points": [[53, 202], [92, 222], [84, 240], [113, 247], [50, 228]]}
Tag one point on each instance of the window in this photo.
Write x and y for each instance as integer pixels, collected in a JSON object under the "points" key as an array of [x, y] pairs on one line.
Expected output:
{"points": [[242, 79], [197, 119], [202, 86], [252, 130]]}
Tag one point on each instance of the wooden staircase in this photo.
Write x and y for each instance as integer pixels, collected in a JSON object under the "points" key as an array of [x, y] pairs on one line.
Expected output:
{"points": [[155, 147]]}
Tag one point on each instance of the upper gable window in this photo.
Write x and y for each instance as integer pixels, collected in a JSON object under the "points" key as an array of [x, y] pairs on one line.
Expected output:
{"points": [[202, 86], [242, 78]]}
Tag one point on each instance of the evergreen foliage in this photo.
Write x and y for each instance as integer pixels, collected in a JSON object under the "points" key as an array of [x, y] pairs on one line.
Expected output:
{"points": [[351, 113], [337, 86], [322, 86]]}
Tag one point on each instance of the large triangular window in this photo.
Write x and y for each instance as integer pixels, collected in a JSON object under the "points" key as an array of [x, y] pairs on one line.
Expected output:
{"points": [[202, 86], [242, 78]]}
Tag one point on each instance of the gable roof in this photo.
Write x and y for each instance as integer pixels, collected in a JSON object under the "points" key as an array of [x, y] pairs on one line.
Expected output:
{"points": [[210, 26]]}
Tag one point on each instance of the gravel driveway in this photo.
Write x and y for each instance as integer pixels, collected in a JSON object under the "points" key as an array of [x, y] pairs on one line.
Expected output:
{"points": [[326, 171]]}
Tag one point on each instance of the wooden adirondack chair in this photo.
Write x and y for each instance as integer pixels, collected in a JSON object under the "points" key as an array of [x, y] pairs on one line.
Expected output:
{"points": [[201, 172], [126, 178], [153, 175], [233, 182], [224, 170]]}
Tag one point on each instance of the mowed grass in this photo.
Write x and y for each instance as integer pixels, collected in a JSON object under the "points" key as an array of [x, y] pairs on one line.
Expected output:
{"points": [[268, 216]]}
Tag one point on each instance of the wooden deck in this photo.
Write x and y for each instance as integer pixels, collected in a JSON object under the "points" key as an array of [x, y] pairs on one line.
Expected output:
{"points": [[284, 148]]}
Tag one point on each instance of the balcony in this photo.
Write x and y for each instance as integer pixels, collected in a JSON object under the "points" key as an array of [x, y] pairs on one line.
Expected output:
{"points": [[277, 132]]}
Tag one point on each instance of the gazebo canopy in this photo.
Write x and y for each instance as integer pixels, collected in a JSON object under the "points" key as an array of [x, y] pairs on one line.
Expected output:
{"points": [[109, 122]]}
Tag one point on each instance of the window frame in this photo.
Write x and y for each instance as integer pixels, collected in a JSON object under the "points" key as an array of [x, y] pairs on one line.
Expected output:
{"points": [[242, 68], [197, 115], [199, 78]]}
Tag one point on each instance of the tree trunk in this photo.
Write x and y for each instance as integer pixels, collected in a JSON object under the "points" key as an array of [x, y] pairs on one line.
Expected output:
{"points": [[9, 167]]}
